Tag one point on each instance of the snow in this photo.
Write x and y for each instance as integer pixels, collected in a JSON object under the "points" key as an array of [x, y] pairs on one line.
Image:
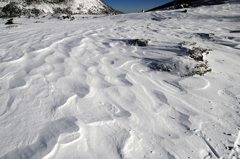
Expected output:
{"points": [[78, 89]]}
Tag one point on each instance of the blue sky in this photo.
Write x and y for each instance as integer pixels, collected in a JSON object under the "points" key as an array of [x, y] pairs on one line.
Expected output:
{"points": [[129, 6]]}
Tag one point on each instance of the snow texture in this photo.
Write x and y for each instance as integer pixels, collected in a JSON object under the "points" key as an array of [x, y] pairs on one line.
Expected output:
{"points": [[79, 89]]}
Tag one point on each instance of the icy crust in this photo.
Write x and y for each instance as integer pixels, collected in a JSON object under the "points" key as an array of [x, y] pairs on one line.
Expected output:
{"points": [[84, 88]]}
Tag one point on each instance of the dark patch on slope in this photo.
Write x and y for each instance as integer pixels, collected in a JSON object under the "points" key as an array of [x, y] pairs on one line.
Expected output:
{"points": [[111, 9], [195, 3], [170, 4]]}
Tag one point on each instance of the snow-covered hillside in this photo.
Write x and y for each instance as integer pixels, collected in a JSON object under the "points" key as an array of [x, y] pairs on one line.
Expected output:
{"points": [[75, 6], [187, 4], [84, 89]]}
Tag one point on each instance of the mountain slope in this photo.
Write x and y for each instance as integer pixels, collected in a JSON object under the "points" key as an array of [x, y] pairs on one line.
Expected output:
{"points": [[194, 3], [73, 6]]}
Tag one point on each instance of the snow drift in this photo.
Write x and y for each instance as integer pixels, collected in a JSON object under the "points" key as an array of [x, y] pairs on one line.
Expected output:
{"points": [[79, 89]]}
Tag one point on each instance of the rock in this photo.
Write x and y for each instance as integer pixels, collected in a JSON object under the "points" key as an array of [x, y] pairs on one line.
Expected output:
{"points": [[178, 4], [39, 22], [10, 21], [140, 42], [64, 17]]}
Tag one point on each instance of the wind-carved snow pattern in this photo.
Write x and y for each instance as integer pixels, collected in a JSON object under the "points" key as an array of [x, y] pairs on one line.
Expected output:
{"points": [[77, 89]]}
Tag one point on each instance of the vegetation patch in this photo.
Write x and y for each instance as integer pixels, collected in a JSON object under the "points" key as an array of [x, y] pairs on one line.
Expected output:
{"points": [[161, 18], [181, 66], [62, 11], [35, 11], [183, 43], [140, 42], [11, 10], [190, 63], [197, 53], [39, 22], [230, 38], [199, 69], [205, 36]]}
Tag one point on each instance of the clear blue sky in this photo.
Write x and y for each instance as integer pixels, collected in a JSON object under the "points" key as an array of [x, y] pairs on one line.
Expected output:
{"points": [[130, 6]]}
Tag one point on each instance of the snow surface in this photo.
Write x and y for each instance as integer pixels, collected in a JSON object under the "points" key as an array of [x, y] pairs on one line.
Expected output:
{"points": [[78, 89]]}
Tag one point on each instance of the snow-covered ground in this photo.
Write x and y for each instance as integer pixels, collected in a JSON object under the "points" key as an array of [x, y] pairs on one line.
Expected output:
{"points": [[78, 89]]}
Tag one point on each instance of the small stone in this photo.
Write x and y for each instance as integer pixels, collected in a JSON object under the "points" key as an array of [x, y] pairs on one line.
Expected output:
{"points": [[10, 21]]}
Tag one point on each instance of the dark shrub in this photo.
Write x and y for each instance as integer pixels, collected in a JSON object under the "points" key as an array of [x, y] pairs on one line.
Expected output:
{"points": [[1, 14], [68, 10], [29, 2], [62, 11], [57, 10], [35, 11], [26, 11], [11, 10]]}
